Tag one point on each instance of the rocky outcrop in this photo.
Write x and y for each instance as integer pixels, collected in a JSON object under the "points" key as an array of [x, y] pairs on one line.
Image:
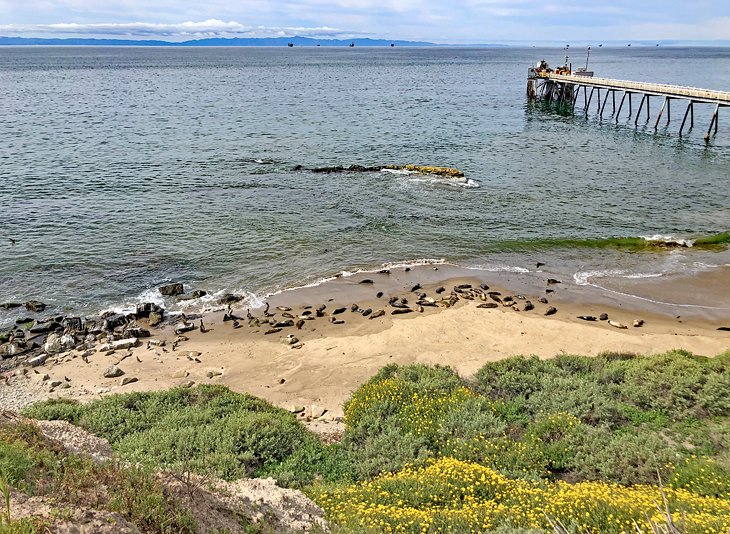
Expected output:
{"points": [[171, 290], [35, 306], [446, 172]]}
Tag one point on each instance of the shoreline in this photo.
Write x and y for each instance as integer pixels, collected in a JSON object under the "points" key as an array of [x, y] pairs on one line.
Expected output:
{"points": [[334, 359]]}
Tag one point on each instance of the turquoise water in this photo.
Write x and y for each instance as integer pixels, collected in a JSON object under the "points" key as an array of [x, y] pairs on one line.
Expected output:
{"points": [[123, 168]]}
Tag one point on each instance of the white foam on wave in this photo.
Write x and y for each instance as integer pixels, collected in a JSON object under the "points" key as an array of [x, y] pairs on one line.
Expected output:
{"points": [[409, 263], [668, 239], [499, 268], [583, 278], [419, 177], [151, 294]]}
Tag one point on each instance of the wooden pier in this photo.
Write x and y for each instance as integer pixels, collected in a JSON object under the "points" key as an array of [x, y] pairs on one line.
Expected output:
{"points": [[566, 88]]}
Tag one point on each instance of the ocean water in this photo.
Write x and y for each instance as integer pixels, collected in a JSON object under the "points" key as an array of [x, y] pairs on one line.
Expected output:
{"points": [[124, 168]]}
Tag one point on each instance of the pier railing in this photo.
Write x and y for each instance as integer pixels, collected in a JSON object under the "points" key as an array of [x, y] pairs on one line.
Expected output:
{"points": [[565, 89]]}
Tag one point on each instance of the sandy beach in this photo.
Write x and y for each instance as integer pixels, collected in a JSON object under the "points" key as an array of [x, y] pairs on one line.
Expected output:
{"points": [[319, 372]]}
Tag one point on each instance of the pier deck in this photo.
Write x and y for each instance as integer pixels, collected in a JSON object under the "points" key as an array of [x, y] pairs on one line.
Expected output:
{"points": [[565, 88]]}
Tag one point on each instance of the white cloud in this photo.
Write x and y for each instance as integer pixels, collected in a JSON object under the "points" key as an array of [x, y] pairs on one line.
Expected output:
{"points": [[455, 21], [207, 28]]}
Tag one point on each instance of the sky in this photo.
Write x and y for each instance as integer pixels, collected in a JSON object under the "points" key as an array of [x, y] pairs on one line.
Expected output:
{"points": [[440, 21]]}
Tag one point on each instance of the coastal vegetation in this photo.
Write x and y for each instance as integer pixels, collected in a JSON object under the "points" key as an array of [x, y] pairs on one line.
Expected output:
{"points": [[614, 443]]}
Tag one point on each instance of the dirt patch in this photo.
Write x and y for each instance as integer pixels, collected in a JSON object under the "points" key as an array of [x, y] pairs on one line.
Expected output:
{"points": [[76, 440], [220, 505], [68, 519]]}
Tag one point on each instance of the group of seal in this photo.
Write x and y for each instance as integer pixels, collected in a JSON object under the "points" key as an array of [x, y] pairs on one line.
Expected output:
{"points": [[415, 301]]}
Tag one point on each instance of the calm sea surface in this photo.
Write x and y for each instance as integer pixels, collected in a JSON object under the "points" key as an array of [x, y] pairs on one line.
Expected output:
{"points": [[123, 168]]}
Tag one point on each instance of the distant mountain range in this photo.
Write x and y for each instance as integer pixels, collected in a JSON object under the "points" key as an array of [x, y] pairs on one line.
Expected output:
{"points": [[236, 41]]}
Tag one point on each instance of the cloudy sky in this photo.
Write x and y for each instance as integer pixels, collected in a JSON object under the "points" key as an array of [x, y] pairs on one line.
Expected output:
{"points": [[448, 21]]}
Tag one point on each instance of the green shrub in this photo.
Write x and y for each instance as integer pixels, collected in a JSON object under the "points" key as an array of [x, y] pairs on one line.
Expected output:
{"points": [[633, 457], [314, 462], [510, 378], [703, 476], [55, 409]]}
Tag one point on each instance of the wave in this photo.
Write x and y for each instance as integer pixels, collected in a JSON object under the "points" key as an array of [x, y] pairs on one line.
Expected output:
{"points": [[491, 268], [631, 244]]}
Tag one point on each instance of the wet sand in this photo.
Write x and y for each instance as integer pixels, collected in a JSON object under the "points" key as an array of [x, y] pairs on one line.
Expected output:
{"points": [[334, 359]]}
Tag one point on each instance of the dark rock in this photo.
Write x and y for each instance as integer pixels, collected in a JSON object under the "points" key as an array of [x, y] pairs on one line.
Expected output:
{"points": [[113, 372], [361, 168], [35, 306], [146, 308], [72, 323], [551, 311], [10, 305], [230, 298], [171, 290], [38, 360], [155, 318], [128, 380], [328, 170], [43, 327], [114, 321], [137, 332], [181, 328]]}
